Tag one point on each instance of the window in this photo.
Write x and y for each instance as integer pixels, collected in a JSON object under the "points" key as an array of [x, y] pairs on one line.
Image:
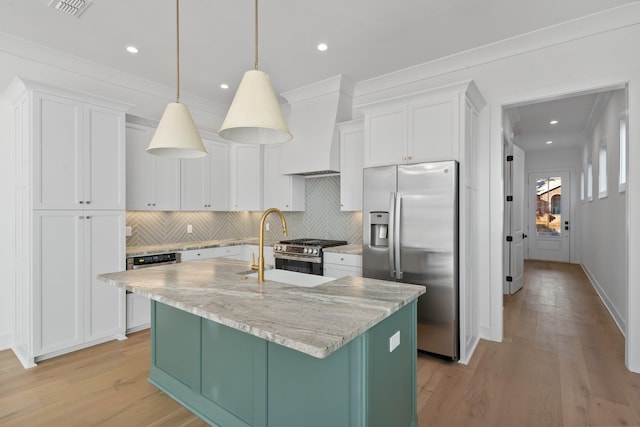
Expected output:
{"points": [[582, 185], [602, 172], [589, 182], [622, 179]]}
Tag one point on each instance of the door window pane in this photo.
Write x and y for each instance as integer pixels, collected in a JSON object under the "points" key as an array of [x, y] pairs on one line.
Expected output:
{"points": [[548, 202]]}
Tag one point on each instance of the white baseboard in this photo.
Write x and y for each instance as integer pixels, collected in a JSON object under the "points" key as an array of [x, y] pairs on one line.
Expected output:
{"points": [[471, 348], [138, 328], [606, 301], [23, 357]]}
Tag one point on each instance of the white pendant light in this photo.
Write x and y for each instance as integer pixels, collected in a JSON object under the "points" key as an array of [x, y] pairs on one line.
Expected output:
{"points": [[255, 116], [176, 135]]}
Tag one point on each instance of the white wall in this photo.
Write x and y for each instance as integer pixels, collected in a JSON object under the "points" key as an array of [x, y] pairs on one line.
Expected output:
{"points": [[6, 282], [604, 231], [594, 52], [561, 160]]}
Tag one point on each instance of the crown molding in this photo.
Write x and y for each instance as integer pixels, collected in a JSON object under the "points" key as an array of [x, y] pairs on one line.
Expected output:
{"points": [[34, 52], [367, 91]]}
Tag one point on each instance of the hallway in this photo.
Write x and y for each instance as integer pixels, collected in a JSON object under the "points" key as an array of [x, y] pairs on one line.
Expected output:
{"points": [[561, 363]]}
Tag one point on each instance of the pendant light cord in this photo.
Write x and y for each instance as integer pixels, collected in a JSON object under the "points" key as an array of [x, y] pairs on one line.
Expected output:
{"points": [[256, 35], [178, 51]]}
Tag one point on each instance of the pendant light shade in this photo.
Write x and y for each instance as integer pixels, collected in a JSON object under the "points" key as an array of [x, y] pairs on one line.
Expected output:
{"points": [[255, 116], [176, 135]]}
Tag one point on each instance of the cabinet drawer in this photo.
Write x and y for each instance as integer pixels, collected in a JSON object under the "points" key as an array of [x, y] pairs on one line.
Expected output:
{"points": [[226, 251], [343, 259]]}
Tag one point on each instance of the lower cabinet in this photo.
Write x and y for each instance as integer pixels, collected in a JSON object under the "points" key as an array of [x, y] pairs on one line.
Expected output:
{"points": [[233, 252], [70, 307], [231, 378], [339, 265]]}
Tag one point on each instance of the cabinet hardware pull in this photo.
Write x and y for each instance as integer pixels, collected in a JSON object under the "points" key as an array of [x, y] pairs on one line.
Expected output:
{"points": [[148, 204], [80, 217], [87, 217], [81, 202], [87, 202], [154, 204]]}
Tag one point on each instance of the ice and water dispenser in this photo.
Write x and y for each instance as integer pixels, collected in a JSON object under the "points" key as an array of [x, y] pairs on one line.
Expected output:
{"points": [[379, 229]]}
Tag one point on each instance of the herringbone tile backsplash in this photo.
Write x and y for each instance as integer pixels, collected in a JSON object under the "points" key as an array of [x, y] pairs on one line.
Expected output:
{"points": [[322, 219]]}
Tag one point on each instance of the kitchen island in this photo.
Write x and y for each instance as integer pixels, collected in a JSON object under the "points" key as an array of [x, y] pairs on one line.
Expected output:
{"points": [[239, 353]]}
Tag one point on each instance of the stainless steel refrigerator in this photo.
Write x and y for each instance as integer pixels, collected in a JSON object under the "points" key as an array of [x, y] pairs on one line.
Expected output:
{"points": [[410, 235]]}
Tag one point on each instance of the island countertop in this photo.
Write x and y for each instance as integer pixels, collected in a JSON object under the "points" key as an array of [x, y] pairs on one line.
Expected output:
{"points": [[316, 321]]}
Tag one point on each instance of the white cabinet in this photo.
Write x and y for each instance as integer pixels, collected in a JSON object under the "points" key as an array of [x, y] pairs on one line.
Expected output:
{"points": [[246, 177], [79, 154], [205, 181], [351, 164], [71, 307], [423, 127], [138, 312], [153, 182], [233, 252], [68, 219], [339, 265], [285, 192]]}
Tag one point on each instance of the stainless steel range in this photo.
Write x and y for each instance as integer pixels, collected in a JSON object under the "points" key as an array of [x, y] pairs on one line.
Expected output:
{"points": [[302, 255]]}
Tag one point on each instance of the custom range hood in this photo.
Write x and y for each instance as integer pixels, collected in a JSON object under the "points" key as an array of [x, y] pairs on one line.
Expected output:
{"points": [[314, 111]]}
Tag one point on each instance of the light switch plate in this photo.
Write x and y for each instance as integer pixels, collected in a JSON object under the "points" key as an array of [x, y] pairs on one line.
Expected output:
{"points": [[189, 228], [394, 341], [128, 231]]}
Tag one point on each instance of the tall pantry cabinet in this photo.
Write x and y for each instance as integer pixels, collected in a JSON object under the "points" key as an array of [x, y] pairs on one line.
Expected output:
{"points": [[68, 180]]}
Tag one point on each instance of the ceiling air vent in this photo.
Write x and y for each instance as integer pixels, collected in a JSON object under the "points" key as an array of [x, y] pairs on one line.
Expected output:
{"points": [[70, 7]]}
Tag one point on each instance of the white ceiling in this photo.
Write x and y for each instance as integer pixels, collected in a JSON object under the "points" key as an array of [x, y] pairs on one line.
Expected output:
{"points": [[366, 38]]}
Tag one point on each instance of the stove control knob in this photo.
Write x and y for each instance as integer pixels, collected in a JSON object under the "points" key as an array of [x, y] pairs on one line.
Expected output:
{"points": [[315, 252]]}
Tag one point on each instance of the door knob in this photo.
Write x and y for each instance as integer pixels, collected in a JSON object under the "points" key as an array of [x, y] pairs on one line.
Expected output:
{"points": [[524, 236]]}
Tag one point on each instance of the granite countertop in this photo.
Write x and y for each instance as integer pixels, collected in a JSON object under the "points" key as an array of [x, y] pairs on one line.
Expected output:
{"points": [[185, 246], [316, 321], [345, 249]]}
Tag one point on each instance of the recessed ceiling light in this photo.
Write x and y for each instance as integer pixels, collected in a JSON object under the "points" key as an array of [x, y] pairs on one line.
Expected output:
{"points": [[224, 86], [132, 49], [553, 122], [322, 47], [549, 142]]}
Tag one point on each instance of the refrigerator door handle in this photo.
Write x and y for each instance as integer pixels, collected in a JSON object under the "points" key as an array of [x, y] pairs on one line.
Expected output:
{"points": [[391, 233], [396, 235]]}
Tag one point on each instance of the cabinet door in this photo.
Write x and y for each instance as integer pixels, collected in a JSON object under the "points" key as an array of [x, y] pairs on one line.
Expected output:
{"points": [[285, 192], [153, 182], [104, 173], [194, 178], [218, 180], [104, 252], [140, 168], [351, 154], [246, 177], [432, 135], [57, 279], [58, 153], [386, 136]]}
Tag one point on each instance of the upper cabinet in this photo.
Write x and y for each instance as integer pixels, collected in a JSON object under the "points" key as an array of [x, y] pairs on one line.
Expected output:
{"points": [[351, 154], [78, 152], [153, 182], [205, 181], [427, 126], [285, 192], [246, 177]]}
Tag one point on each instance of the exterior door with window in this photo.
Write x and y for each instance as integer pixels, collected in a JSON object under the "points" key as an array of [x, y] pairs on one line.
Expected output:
{"points": [[549, 218]]}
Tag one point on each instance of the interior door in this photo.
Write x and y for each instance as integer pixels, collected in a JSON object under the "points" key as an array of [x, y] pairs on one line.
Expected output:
{"points": [[515, 187], [549, 213]]}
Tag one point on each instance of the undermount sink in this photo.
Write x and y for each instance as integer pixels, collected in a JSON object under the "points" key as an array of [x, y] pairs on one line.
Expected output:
{"points": [[293, 278]]}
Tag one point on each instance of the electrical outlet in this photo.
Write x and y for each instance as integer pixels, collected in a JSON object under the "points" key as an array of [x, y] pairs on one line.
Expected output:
{"points": [[394, 341], [267, 226], [189, 228], [129, 231]]}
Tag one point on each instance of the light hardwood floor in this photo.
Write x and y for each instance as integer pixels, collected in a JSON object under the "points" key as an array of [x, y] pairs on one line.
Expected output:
{"points": [[561, 364]]}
